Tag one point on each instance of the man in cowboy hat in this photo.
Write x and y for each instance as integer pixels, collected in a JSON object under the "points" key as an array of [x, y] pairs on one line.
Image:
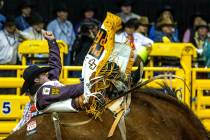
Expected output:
{"points": [[200, 40], [43, 82], [45, 91], [143, 26], [165, 28]]}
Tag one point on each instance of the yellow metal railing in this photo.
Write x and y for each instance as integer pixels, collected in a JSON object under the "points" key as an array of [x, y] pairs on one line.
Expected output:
{"points": [[201, 95]]}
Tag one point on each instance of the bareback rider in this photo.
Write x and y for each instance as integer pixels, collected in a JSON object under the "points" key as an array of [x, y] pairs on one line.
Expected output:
{"points": [[42, 82], [45, 91]]}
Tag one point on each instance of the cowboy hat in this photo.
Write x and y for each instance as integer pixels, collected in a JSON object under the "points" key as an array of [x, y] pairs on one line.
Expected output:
{"points": [[144, 21], [201, 24], [165, 22], [30, 73]]}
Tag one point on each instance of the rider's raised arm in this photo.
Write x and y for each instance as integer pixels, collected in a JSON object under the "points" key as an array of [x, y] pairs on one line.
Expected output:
{"points": [[54, 56]]}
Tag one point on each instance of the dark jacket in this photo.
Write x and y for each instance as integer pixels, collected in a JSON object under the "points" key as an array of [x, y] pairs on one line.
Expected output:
{"points": [[159, 37], [80, 48]]}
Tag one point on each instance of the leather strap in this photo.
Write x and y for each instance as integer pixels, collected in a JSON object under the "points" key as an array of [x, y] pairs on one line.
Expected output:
{"points": [[76, 123], [116, 121], [55, 119], [122, 127]]}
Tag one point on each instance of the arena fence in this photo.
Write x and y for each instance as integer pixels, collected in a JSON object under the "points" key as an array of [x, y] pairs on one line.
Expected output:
{"points": [[192, 93], [201, 95]]}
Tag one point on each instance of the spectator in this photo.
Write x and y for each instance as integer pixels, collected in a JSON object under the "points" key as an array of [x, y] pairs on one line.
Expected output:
{"points": [[165, 12], [34, 31], [200, 40], [135, 42], [206, 52], [165, 27], [8, 43], [82, 44], [8, 50], [130, 36], [190, 32], [88, 16], [143, 26], [126, 11], [21, 20], [63, 29], [2, 17]]}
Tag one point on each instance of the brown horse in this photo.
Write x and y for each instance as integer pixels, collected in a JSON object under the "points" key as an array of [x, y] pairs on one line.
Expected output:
{"points": [[153, 115]]}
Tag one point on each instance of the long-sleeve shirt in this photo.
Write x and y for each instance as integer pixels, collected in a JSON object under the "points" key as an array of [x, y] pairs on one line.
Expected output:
{"points": [[32, 34], [53, 91], [62, 31], [8, 47]]}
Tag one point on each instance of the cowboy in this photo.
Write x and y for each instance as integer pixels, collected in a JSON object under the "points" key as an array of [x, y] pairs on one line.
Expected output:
{"points": [[45, 91], [165, 27], [139, 44], [200, 40], [143, 26], [42, 82]]}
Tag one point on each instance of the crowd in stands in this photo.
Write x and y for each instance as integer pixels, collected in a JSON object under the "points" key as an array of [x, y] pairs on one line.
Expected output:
{"points": [[79, 37]]}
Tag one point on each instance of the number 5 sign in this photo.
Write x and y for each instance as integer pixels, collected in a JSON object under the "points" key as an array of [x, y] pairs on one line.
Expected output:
{"points": [[9, 108], [6, 109]]}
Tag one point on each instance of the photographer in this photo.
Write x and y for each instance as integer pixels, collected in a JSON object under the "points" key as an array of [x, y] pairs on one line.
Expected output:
{"points": [[83, 42]]}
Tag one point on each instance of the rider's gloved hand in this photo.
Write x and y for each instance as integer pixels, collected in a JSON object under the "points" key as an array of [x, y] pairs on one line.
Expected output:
{"points": [[48, 35]]}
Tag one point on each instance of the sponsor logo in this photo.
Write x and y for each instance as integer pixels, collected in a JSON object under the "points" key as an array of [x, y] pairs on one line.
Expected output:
{"points": [[46, 91], [31, 127]]}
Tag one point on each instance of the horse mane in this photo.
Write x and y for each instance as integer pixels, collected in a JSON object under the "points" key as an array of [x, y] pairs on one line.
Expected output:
{"points": [[168, 95]]}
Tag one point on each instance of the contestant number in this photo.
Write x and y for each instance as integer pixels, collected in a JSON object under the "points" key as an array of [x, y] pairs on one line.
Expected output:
{"points": [[6, 107], [92, 64]]}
